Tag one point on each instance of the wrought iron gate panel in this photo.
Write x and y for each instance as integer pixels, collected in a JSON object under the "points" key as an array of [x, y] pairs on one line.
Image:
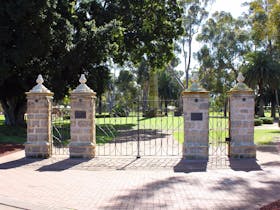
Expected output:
{"points": [[60, 130], [138, 130], [218, 130], [126, 130]]}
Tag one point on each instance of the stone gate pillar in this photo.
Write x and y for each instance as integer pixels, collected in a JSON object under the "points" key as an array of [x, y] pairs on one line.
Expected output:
{"points": [[39, 134], [82, 121], [196, 121], [242, 107]]}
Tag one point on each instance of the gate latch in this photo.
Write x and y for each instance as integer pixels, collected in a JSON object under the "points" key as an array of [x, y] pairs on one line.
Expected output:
{"points": [[228, 139]]}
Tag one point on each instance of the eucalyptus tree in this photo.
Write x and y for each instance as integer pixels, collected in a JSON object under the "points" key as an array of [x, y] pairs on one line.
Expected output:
{"points": [[225, 41], [264, 27], [195, 12]]}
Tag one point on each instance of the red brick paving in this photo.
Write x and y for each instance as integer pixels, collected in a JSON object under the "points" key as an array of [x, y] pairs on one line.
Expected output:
{"points": [[148, 183]]}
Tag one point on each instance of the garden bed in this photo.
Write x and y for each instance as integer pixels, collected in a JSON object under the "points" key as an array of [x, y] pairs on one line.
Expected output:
{"points": [[6, 149]]}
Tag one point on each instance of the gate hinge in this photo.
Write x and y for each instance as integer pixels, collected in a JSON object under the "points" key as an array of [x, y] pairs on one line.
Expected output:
{"points": [[228, 139]]}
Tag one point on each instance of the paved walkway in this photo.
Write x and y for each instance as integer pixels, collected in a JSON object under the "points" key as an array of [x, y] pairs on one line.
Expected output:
{"points": [[146, 183]]}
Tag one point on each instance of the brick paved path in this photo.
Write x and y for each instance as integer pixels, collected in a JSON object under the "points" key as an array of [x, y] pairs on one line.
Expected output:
{"points": [[146, 183]]}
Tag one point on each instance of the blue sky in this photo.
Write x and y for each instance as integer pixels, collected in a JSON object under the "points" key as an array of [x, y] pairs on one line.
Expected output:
{"points": [[232, 6]]}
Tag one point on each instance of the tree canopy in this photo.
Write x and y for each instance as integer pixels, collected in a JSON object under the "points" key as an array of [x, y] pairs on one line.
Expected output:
{"points": [[62, 38]]}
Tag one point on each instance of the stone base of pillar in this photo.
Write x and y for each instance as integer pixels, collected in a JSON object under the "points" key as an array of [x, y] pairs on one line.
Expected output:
{"points": [[38, 150], [243, 151], [82, 150], [195, 152]]}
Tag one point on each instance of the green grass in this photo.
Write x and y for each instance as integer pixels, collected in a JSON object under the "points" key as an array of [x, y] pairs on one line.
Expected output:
{"points": [[263, 137]]}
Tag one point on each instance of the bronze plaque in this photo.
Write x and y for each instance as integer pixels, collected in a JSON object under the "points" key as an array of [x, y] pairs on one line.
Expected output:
{"points": [[80, 114], [196, 116]]}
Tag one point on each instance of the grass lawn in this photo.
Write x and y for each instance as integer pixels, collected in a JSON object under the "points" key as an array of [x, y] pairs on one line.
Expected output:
{"points": [[263, 137], [107, 129]]}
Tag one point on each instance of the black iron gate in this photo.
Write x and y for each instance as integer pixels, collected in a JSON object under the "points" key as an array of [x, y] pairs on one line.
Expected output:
{"points": [[219, 129], [60, 130], [141, 128]]}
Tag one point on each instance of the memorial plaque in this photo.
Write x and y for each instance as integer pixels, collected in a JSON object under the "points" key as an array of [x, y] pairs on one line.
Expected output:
{"points": [[196, 116], [80, 114]]}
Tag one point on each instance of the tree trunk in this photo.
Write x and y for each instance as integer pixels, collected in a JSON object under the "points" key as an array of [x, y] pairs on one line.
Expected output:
{"points": [[153, 90], [273, 109], [14, 110], [261, 108], [99, 104], [145, 94], [166, 104], [261, 102], [225, 107], [189, 62]]}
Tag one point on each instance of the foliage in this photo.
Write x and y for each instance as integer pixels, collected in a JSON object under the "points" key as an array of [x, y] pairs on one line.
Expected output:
{"points": [[127, 89], [194, 14], [120, 111], [263, 74], [225, 43], [258, 122], [267, 120], [62, 39], [14, 135]]}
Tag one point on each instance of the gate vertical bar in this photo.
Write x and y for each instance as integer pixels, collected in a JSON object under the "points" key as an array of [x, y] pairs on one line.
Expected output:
{"points": [[138, 129]]}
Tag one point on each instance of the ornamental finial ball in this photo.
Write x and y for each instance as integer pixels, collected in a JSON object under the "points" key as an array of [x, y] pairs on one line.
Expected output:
{"points": [[82, 79], [39, 79], [240, 78]]}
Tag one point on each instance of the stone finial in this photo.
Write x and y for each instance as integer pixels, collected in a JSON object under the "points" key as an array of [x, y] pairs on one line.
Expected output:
{"points": [[195, 86], [83, 87], [240, 85], [240, 78], [39, 88]]}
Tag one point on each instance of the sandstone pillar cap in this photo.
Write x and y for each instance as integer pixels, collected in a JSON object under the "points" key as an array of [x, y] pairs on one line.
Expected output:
{"points": [[240, 86], [39, 88], [83, 88]]}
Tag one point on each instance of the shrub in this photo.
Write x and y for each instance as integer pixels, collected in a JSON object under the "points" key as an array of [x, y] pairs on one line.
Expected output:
{"points": [[149, 113], [120, 111], [267, 120], [258, 122]]}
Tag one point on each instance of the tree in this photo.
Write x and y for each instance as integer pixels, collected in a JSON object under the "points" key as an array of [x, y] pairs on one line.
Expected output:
{"points": [[194, 14], [99, 78], [263, 23], [33, 34], [225, 41], [127, 88], [64, 38], [263, 74], [168, 88], [263, 19]]}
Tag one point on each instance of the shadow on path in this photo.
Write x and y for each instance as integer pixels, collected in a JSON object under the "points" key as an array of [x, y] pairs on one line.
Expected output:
{"points": [[141, 196], [188, 166], [63, 164], [19, 162], [244, 164]]}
